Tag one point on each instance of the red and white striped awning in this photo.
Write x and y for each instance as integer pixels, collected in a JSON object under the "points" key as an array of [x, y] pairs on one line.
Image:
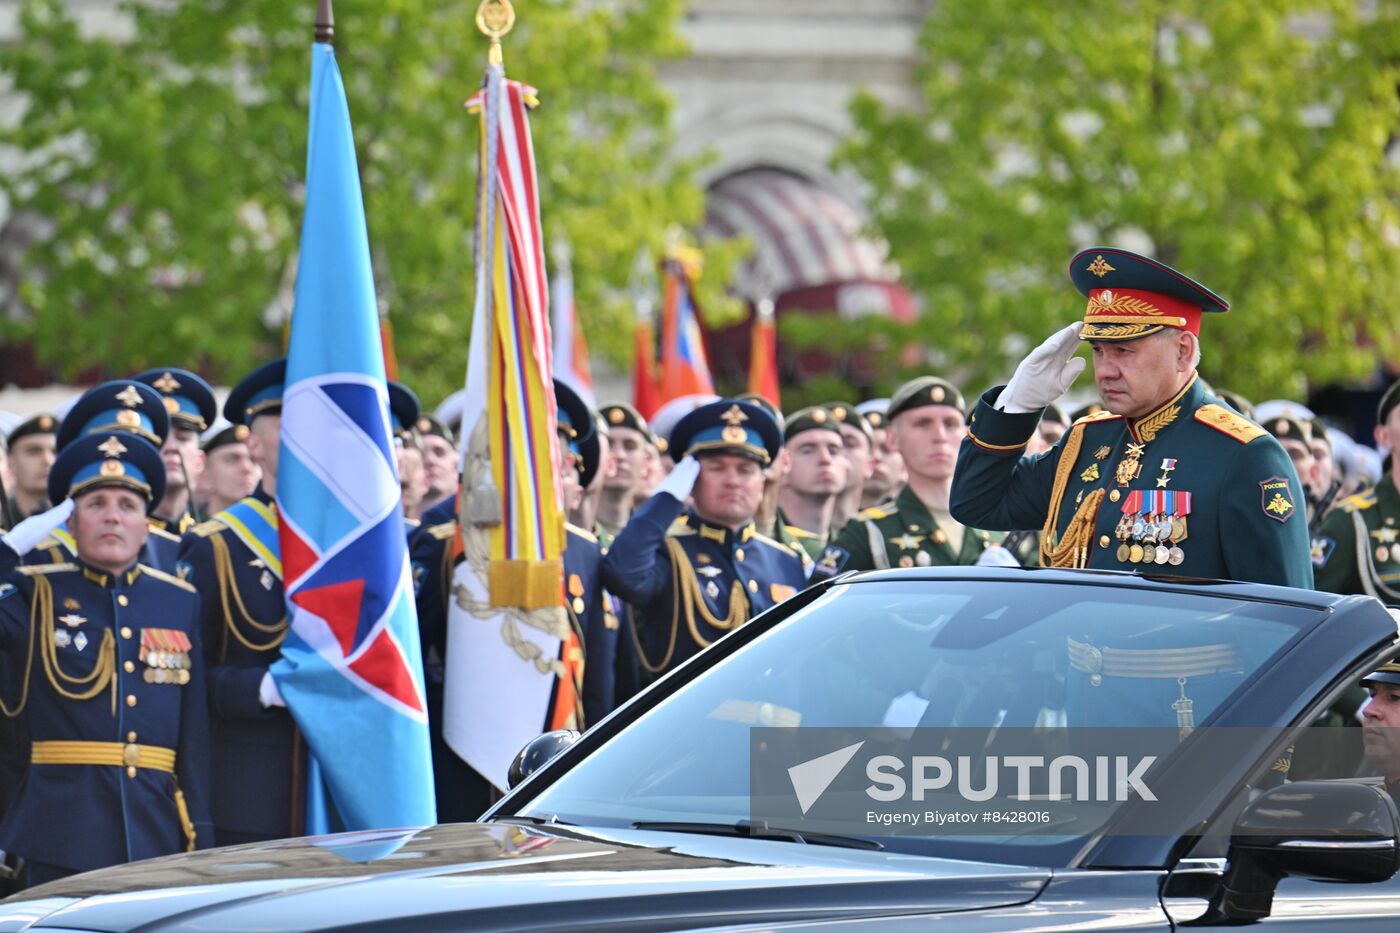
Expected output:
{"points": [[804, 235]]}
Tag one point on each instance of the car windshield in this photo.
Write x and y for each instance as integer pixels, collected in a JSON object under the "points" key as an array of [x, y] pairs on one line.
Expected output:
{"points": [[935, 653]]}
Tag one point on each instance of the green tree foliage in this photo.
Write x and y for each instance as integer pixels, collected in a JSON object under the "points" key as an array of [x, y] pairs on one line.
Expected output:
{"points": [[1244, 143], [163, 171]]}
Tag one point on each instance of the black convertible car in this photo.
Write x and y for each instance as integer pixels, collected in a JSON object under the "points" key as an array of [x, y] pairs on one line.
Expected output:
{"points": [[646, 821]]}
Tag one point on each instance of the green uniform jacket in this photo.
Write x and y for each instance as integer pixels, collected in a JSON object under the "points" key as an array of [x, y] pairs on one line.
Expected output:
{"points": [[1113, 491], [797, 538], [1357, 546], [911, 537]]}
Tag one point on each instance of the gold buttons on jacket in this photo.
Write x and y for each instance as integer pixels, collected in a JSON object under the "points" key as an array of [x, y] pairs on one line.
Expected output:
{"points": [[131, 736], [753, 586], [129, 667], [131, 699], [1114, 495], [122, 600], [738, 553], [1103, 540], [126, 632]]}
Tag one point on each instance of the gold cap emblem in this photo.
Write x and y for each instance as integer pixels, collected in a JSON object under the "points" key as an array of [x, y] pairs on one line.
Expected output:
{"points": [[112, 447], [171, 406], [819, 416], [112, 468], [734, 416], [424, 425], [166, 384], [129, 397], [1099, 267], [937, 394], [615, 416], [128, 419]]}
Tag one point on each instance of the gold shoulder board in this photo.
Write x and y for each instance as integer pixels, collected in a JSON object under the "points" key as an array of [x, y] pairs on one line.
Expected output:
{"points": [[798, 532], [877, 511], [1227, 422], [45, 569], [582, 533], [205, 529], [785, 548], [444, 531], [164, 577], [1358, 501], [1096, 416], [161, 532]]}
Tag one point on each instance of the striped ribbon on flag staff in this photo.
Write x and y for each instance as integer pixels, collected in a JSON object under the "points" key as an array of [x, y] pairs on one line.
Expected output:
{"points": [[508, 635]]}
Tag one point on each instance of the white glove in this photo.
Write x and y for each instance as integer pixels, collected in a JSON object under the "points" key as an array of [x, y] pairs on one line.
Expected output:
{"points": [[1045, 375], [22, 538], [997, 556], [680, 481], [268, 694]]}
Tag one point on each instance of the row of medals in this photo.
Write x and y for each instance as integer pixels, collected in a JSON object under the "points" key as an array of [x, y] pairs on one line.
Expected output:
{"points": [[1151, 539], [167, 667]]}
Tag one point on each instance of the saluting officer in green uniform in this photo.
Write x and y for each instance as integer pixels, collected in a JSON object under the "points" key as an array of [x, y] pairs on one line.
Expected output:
{"points": [[1168, 477], [916, 530], [1357, 546]]}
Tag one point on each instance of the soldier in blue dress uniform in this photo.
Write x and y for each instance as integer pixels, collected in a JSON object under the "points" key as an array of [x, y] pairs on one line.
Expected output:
{"points": [[120, 405], [192, 408], [694, 573], [114, 706], [234, 561], [1167, 477]]}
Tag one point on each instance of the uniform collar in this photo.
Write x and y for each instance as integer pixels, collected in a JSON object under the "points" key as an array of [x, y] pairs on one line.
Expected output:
{"points": [[910, 506], [176, 524], [1188, 399], [718, 533], [261, 495], [106, 579]]}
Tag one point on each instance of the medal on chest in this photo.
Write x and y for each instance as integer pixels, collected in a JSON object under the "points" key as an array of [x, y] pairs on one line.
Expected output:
{"points": [[1130, 467], [1152, 527]]}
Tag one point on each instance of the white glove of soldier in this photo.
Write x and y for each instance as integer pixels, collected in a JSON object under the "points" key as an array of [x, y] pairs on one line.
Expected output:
{"points": [[997, 556], [1045, 375], [268, 694], [681, 480], [22, 538]]}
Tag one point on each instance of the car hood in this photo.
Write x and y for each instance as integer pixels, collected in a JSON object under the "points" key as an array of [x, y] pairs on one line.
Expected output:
{"points": [[504, 876]]}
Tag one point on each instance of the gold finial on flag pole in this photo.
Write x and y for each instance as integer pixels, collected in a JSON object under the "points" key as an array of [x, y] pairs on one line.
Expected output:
{"points": [[495, 18]]}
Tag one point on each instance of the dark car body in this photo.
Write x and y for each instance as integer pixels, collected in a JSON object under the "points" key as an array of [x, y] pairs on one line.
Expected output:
{"points": [[515, 870]]}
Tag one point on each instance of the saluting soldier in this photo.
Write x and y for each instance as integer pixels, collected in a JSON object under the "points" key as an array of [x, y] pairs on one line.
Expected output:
{"points": [[926, 420], [629, 438], [816, 475], [120, 405], [693, 574], [190, 402], [442, 468], [114, 702], [234, 561], [1357, 546], [1167, 476]]}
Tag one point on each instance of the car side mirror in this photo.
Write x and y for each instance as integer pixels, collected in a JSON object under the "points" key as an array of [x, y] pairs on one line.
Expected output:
{"points": [[1323, 830], [537, 752]]}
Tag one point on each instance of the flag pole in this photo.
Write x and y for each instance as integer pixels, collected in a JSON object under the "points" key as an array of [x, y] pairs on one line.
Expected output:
{"points": [[325, 23], [494, 19]]}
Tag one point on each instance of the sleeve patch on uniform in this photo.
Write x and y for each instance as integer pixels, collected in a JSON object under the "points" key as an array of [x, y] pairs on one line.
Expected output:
{"points": [[7, 589], [1322, 549], [1276, 499], [419, 572], [832, 559], [184, 571], [781, 591]]}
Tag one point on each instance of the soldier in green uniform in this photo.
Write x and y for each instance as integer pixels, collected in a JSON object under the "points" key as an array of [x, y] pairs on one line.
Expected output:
{"points": [[860, 455], [887, 475], [1167, 477], [916, 530], [629, 439], [1357, 546], [816, 474], [32, 448]]}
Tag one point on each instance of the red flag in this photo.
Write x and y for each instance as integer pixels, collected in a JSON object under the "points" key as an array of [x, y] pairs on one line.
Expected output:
{"points": [[763, 354], [644, 389]]}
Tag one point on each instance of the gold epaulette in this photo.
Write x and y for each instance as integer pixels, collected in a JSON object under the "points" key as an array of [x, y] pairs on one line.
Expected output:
{"points": [[1227, 422], [799, 532], [163, 533], [205, 529], [164, 577], [680, 528], [1096, 416], [785, 548], [48, 544], [586, 535], [443, 532], [877, 511], [45, 569], [1358, 501]]}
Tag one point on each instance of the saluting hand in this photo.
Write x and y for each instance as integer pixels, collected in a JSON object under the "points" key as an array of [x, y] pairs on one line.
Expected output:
{"points": [[680, 481], [24, 536], [1044, 375]]}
